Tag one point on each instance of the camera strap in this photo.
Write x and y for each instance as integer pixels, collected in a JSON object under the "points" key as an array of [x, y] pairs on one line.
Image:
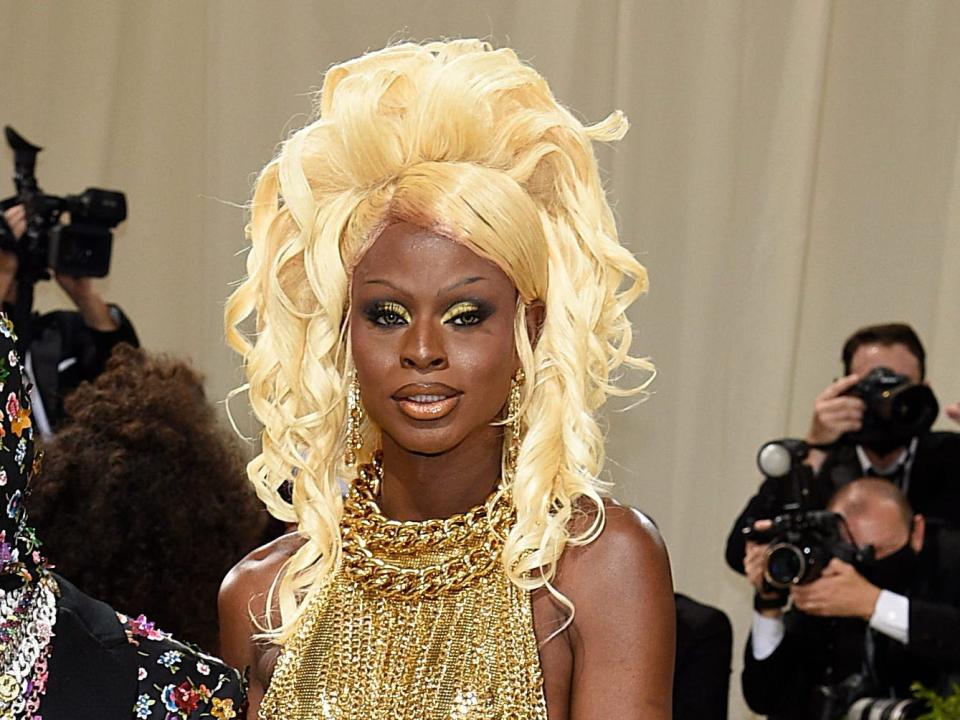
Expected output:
{"points": [[770, 602]]}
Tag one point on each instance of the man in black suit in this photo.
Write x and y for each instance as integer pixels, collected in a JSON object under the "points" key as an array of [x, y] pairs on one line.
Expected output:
{"points": [[925, 467], [880, 624]]}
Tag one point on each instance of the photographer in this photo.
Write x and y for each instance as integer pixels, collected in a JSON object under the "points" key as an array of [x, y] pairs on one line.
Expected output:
{"points": [[924, 464], [865, 629], [63, 348]]}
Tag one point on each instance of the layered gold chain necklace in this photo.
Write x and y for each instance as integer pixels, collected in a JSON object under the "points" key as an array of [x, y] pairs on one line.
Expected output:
{"points": [[419, 559], [419, 621]]}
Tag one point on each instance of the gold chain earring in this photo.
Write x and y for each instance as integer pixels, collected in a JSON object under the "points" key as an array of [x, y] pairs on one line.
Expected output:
{"points": [[514, 424], [354, 421]]}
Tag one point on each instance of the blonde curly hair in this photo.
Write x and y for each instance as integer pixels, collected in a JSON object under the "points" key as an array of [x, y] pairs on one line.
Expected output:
{"points": [[469, 142]]}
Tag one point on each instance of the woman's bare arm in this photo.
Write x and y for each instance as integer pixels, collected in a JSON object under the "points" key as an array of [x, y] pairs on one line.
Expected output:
{"points": [[243, 595], [622, 635]]}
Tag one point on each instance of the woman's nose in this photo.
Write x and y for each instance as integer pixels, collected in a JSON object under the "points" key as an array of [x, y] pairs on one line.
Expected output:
{"points": [[423, 347]]}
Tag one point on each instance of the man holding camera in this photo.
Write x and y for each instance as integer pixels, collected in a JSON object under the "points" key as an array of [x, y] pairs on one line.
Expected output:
{"points": [[867, 628], [923, 464], [63, 348]]}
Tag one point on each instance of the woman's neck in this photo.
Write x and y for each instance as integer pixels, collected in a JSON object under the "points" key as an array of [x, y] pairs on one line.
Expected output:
{"points": [[423, 487]]}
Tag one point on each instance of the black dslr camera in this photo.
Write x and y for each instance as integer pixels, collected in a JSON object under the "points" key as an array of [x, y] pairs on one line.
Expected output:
{"points": [[81, 248], [801, 541], [801, 545], [896, 410]]}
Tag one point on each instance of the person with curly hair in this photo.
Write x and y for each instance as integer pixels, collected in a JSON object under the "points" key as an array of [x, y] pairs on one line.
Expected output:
{"points": [[143, 499], [440, 301]]}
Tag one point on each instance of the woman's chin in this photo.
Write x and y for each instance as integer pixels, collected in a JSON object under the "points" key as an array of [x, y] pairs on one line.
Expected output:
{"points": [[425, 447], [425, 442]]}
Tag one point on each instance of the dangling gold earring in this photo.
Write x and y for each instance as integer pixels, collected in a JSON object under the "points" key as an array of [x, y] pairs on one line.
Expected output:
{"points": [[513, 424], [354, 421]]}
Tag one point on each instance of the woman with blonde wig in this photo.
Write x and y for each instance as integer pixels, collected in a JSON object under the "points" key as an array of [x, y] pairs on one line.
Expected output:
{"points": [[440, 302]]}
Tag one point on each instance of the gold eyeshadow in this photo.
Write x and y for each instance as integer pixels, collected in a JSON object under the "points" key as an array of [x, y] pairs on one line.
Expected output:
{"points": [[461, 308], [388, 307]]}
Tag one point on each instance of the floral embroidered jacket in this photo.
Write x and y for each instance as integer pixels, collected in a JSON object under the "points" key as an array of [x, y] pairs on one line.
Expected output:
{"points": [[106, 665]]}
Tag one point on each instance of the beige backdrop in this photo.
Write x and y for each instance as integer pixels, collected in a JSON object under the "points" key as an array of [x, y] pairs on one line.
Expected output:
{"points": [[793, 171]]}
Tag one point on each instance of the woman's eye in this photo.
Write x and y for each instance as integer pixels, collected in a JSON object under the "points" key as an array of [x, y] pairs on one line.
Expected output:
{"points": [[468, 318], [466, 313], [389, 318], [388, 314]]}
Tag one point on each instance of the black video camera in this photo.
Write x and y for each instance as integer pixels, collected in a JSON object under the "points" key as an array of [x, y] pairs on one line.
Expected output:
{"points": [[801, 541], [80, 248], [896, 410]]}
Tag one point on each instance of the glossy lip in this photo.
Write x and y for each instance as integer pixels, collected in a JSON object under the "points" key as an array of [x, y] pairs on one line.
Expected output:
{"points": [[427, 401]]}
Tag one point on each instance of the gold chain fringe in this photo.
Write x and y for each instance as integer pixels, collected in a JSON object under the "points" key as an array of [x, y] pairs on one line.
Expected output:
{"points": [[419, 622]]}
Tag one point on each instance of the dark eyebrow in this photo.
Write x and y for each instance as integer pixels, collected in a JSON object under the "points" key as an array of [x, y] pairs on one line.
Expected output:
{"points": [[380, 281], [461, 283], [458, 284]]}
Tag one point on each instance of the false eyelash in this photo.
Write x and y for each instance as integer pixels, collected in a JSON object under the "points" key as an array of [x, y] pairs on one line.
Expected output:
{"points": [[480, 310], [376, 311]]}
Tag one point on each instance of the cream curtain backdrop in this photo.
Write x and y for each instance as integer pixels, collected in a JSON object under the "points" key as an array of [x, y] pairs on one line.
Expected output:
{"points": [[793, 171]]}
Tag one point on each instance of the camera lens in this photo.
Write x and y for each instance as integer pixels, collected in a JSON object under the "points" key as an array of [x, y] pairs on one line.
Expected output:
{"points": [[784, 565], [913, 409], [885, 709]]}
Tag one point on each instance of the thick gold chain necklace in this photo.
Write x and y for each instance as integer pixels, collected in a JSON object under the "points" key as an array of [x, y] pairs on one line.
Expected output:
{"points": [[404, 559]]}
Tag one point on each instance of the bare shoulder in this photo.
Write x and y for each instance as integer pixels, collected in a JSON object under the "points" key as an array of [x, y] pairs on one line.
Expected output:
{"points": [[629, 544], [243, 595], [629, 529], [253, 575], [622, 575]]}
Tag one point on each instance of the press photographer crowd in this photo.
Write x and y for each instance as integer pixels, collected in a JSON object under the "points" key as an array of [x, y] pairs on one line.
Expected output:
{"points": [[851, 546]]}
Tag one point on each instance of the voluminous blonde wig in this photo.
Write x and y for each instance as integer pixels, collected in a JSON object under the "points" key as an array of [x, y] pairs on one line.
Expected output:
{"points": [[468, 141]]}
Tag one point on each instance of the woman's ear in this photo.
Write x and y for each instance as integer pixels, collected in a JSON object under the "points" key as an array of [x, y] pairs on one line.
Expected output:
{"points": [[535, 314]]}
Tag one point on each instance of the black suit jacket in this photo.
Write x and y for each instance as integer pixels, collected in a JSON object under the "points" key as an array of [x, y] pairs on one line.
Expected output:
{"points": [[934, 488], [824, 651], [93, 669], [701, 676]]}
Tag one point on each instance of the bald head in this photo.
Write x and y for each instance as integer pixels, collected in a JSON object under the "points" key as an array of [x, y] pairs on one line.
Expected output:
{"points": [[862, 495], [878, 514]]}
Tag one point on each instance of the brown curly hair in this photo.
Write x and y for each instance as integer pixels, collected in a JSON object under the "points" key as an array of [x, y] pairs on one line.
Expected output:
{"points": [[143, 500]]}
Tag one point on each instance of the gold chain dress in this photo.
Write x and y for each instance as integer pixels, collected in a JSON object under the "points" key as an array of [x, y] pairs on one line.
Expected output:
{"points": [[419, 621]]}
